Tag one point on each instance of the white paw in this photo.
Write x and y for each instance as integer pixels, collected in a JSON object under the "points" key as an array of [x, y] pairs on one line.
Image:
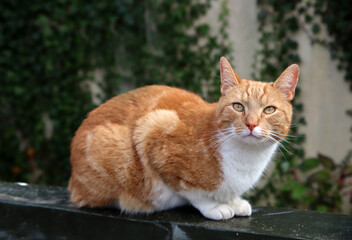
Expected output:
{"points": [[241, 207], [219, 212]]}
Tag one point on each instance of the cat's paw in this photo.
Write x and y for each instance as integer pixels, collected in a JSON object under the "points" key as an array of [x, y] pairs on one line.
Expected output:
{"points": [[241, 207], [219, 212]]}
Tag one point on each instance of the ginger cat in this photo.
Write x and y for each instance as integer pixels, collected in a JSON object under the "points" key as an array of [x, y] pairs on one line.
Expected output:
{"points": [[158, 147]]}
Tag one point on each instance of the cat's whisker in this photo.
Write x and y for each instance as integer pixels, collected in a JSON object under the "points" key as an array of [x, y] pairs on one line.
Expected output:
{"points": [[286, 140], [221, 136], [282, 154], [296, 124], [214, 142], [214, 133], [291, 138], [217, 130], [211, 141], [282, 147], [271, 137], [284, 135], [225, 135], [291, 144], [273, 140]]}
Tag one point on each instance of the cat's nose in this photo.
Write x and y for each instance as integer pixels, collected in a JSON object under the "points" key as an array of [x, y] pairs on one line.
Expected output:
{"points": [[251, 126]]}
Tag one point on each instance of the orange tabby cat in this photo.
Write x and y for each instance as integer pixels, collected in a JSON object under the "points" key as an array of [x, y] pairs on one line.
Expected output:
{"points": [[158, 147]]}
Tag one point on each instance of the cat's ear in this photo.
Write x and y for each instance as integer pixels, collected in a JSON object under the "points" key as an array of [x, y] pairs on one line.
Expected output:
{"points": [[229, 77], [287, 81]]}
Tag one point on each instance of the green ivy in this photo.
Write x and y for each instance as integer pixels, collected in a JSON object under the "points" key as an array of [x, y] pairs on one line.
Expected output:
{"points": [[50, 50], [336, 15], [316, 183], [174, 50]]}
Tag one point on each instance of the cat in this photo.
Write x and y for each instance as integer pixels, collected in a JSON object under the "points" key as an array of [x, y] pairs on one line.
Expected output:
{"points": [[157, 147]]}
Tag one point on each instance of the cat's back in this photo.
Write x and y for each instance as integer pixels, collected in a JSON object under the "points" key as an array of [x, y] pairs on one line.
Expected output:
{"points": [[127, 108]]}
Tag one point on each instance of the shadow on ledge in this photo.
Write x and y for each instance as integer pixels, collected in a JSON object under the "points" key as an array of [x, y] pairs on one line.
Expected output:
{"points": [[41, 212]]}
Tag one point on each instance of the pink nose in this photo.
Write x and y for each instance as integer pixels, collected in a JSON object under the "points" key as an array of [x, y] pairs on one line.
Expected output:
{"points": [[251, 126]]}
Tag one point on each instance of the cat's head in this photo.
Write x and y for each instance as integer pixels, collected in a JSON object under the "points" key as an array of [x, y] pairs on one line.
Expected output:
{"points": [[255, 112]]}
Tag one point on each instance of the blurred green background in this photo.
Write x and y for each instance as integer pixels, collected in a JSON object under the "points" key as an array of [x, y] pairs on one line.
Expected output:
{"points": [[54, 55]]}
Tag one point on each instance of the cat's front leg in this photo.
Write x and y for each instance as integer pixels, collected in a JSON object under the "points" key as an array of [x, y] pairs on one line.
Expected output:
{"points": [[241, 207]]}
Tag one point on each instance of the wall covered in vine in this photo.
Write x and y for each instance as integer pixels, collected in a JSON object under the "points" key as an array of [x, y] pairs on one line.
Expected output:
{"points": [[315, 183], [50, 50]]}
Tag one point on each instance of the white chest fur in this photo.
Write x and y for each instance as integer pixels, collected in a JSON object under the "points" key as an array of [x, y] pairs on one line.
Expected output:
{"points": [[242, 166]]}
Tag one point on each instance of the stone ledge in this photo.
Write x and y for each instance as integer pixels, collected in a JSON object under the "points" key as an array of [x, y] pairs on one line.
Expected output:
{"points": [[41, 212]]}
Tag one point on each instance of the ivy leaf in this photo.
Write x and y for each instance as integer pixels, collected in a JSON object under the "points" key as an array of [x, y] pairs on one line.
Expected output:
{"points": [[348, 171], [43, 20], [292, 24], [202, 30], [309, 164], [316, 28], [322, 208], [349, 112], [308, 18], [261, 16], [309, 199], [301, 10], [320, 176], [327, 162], [18, 90], [299, 191]]}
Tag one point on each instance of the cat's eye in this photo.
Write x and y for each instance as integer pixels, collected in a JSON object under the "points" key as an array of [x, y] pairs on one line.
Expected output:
{"points": [[269, 110], [238, 107]]}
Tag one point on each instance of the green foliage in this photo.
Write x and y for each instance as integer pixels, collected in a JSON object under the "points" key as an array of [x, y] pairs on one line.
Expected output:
{"points": [[337, 17], [178, 51], [50, 50], [315, 183], [318, 189]]}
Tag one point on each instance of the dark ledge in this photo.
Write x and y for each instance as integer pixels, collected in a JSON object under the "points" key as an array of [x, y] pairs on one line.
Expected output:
{"points": [[40, 212]]}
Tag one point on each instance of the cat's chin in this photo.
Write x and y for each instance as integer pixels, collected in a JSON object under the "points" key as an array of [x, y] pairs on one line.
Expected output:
{"points": [[250, 139], [253, 140]]}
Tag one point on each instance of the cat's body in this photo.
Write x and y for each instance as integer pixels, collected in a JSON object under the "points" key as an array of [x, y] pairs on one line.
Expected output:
{"points": [[158, 147]]}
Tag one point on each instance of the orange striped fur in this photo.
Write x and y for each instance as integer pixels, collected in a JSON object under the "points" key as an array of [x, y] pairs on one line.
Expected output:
{"points": [[159, 147]]}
